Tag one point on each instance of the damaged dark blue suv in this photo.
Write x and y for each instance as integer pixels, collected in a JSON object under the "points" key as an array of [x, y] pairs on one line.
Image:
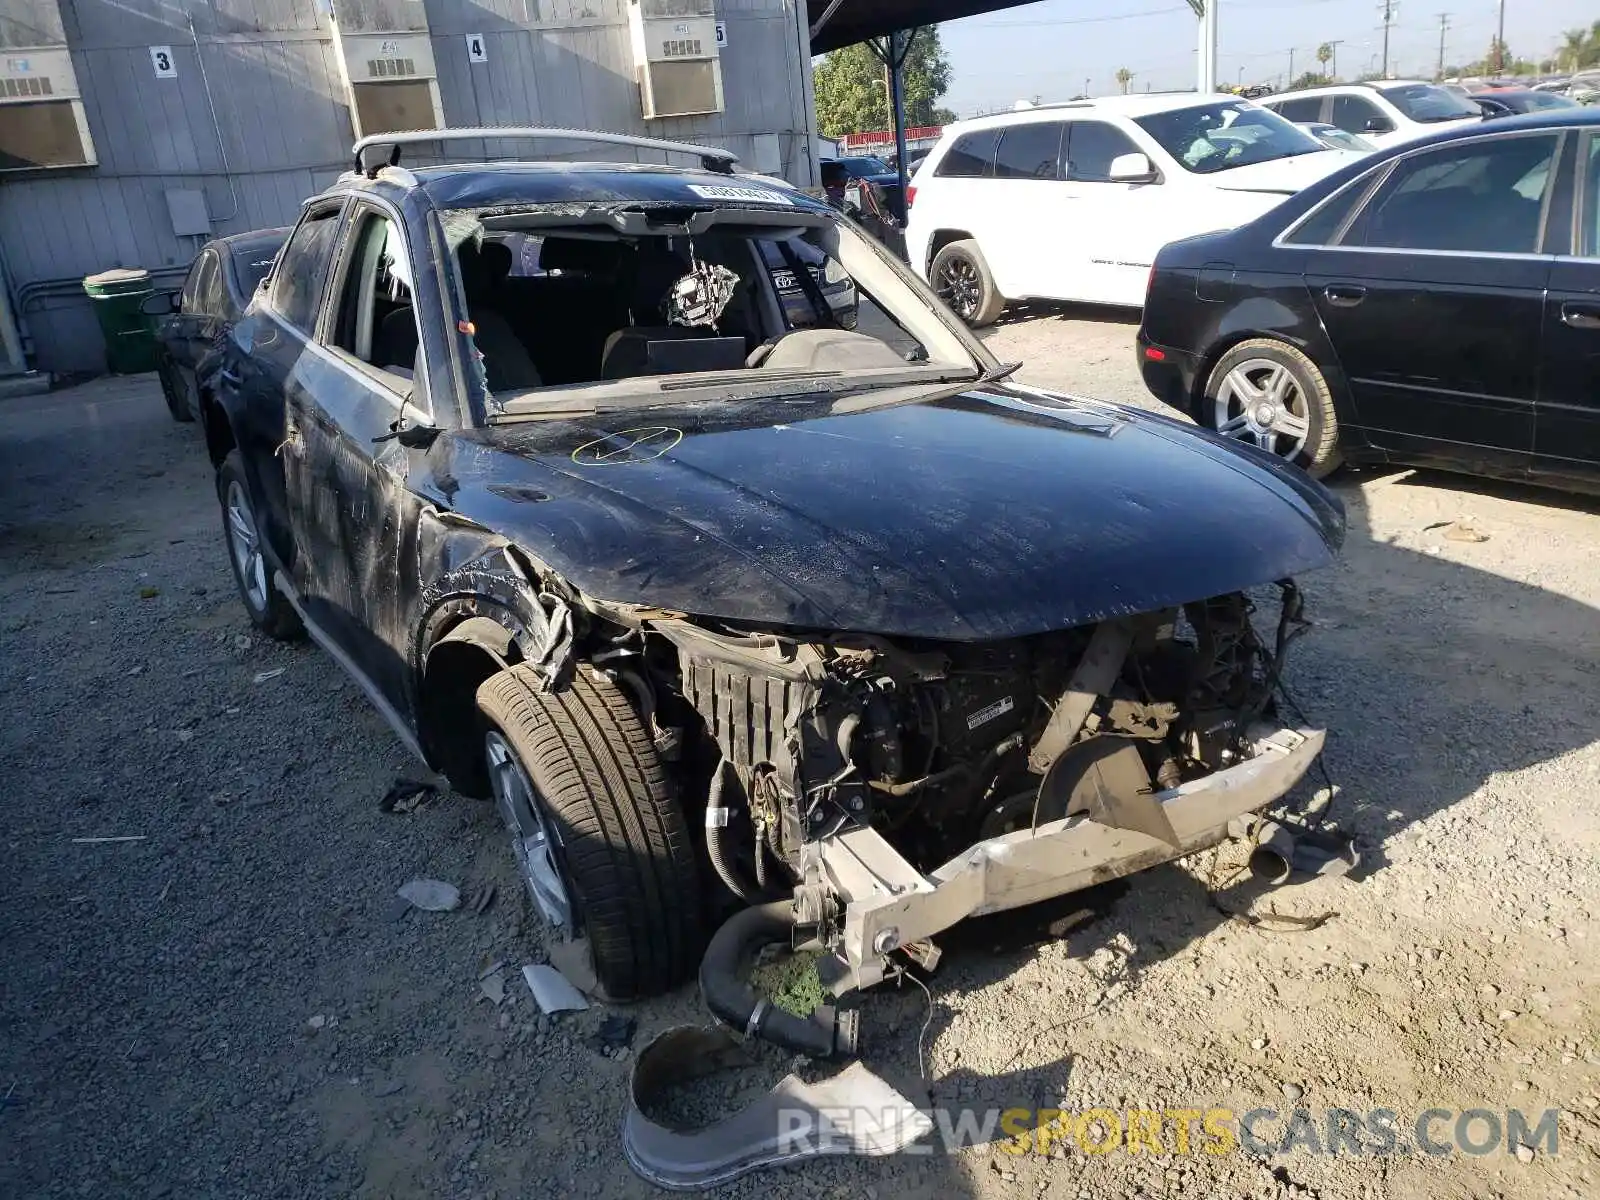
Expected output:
{"points": [[727, 604]]}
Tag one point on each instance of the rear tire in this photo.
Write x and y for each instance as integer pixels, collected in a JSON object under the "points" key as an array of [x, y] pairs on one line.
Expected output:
{"points": [[962, 279], [615, 834], [1272, 395], [172, 390], [252, 573]]}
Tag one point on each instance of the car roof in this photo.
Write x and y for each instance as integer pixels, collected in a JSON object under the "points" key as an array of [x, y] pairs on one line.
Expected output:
{"points": [[1371, 85], [256, 239], [1141, 105], [492, 185]]}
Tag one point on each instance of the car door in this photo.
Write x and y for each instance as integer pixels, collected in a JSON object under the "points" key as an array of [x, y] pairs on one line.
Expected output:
{"points": [[1566, 438], [1028, 250], [258, 362], [1433, 297], [186, 337], [960, 195], [1108, 232], [358, 380], [1363, 117]]}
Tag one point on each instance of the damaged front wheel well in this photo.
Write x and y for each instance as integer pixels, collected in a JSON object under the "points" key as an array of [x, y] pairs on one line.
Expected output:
{"points": [[450, 727]]}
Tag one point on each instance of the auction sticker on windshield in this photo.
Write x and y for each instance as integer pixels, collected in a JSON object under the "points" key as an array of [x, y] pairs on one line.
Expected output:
{"points": [[718, 191]]}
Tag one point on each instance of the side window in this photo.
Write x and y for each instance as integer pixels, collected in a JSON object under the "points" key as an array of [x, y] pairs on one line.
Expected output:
{"points": [[303, 266], [213, 288], [1486, 197], [1589, 222], [1031, 151], [1302, 111], [1091, 147], [193, 283], [1352, 113], [971, 157], [1320, 227], [375, 323]]}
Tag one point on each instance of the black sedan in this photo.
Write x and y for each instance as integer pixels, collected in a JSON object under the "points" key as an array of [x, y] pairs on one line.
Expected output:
{"points": [[1437, 303], [190, 321], [1505, 102]]}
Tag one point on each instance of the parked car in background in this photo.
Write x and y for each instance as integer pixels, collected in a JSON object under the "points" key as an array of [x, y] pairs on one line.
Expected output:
{"points": [[1500, 102], [1338, 139], [872, 169], [703, 600], [191, 320], [1072, 201], [1437, 304], [1386, 112]]}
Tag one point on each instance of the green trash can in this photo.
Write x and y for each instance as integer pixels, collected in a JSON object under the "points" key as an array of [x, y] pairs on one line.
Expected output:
{"points": [[130, 340]]}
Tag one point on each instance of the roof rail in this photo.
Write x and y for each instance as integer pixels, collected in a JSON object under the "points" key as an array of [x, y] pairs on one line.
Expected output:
{"points": [[712, 159]]}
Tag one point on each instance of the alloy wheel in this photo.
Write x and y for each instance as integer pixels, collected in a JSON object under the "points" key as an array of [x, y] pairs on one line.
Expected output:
{"points": [[960, 287], [534, 839], [1260, 402], [244, 543]]}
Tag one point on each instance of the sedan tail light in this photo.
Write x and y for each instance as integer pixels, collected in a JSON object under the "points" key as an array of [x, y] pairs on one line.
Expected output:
{"points": [[911, 195]]}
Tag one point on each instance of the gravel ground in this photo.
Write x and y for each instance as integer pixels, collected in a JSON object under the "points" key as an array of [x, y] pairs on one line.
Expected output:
{"points": [[230, 1005]]}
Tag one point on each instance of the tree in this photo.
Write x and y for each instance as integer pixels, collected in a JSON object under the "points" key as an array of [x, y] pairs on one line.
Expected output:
{"points": [[1124, 78], [852, 86], [1310, 79], [1324, 57], [1495, 60]]}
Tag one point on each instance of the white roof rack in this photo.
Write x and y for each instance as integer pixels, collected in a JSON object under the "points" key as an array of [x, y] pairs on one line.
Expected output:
{"points": [[711, 158]]}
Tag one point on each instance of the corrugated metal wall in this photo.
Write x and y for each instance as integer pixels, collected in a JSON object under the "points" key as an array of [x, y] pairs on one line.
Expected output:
{"points": [[282, 126]]}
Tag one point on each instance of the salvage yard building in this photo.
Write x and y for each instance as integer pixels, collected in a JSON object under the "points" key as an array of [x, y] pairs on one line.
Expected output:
{"points": [[131, 131]]}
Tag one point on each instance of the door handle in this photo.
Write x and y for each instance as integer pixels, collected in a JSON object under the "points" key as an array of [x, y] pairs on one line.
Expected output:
{"points": [[1581, 316], [1344, 295]]}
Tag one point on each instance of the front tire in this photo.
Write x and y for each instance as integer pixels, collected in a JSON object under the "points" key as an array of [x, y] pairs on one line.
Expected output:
{"points": [[601, 842], [269, 611], [1270, 394], [961, 278]]}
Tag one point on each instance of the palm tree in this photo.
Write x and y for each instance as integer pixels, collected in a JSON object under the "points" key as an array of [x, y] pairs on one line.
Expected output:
{"points": [[1574, 46], [1124, 78], [1324, 57]]}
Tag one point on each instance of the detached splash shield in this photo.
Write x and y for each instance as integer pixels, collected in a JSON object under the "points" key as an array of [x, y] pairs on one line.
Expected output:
{"points": [[888, 904]]}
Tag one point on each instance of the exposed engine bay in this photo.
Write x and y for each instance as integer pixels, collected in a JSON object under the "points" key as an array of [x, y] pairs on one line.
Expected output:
{"points": [[868, 792]]}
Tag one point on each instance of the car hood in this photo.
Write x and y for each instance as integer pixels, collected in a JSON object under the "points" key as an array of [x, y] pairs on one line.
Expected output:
{"points": [[992, 514], [1286, 175]]}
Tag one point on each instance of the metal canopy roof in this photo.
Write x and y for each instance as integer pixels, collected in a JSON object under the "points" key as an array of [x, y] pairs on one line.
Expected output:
{"points": [[836, 23]]}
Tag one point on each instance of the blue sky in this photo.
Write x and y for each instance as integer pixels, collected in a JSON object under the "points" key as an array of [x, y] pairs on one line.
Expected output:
{"points": [[1049, 49]]}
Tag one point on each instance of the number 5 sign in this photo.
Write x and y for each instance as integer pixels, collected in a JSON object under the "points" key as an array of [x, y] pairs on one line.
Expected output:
{"points": [[161, 60], [476, 51]]}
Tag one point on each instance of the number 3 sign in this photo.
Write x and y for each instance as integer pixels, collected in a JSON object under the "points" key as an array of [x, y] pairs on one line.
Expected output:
{"points": [[161, 60]]}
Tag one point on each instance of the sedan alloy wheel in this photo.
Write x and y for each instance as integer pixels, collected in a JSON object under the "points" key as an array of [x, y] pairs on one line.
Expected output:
{"points": [[1260, 401]]}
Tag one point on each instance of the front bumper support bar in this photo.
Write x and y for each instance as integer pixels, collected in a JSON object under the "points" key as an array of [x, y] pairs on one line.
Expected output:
{"points": [[889, 904]]}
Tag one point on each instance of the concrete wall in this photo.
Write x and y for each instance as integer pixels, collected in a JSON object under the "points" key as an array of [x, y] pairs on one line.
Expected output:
{"points": [[282, 124]]}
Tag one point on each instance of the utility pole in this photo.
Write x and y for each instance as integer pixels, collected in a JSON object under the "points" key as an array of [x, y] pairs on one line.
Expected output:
{"points": [[1206, 10], [1444, 24], [1333, 59], [1291, 66], [1388, 20], [1500, 43]]}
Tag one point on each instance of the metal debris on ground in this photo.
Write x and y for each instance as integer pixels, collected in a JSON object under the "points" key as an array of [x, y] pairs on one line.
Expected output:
{"points": [[1458, 531], [615, 1033], [479, 898], [431, 895], [573, 960], [404, 795], [852, 1112], [263, 676], [552, 990]]}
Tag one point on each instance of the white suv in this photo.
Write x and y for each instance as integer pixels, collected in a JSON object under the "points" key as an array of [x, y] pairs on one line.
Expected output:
{"points": [[1072, 201], [1385, 112]]}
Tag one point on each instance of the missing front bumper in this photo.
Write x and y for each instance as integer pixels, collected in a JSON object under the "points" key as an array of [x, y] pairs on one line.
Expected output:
{"points": [[889, 904]]}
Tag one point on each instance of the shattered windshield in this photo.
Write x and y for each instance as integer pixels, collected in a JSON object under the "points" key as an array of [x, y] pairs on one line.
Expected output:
{"points": [[1234, 133], [603, 310]]}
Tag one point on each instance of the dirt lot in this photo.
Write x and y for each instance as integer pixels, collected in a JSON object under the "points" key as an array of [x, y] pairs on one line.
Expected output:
{"points": [[229, 1006]]}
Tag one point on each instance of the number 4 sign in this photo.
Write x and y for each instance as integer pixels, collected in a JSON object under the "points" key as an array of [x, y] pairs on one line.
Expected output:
{"points": [[161, 60], [476, 51]]}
